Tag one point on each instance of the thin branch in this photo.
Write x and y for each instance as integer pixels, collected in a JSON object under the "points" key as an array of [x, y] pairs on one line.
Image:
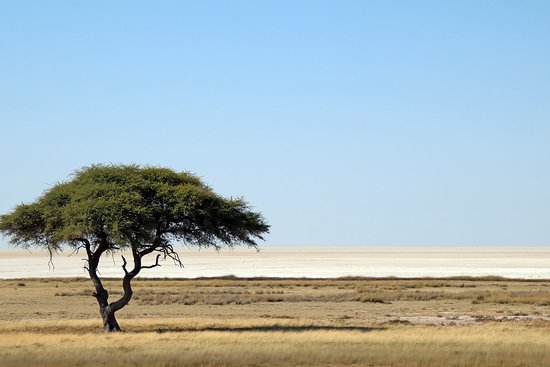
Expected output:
{"points": [[176, 258], [124, 264], [148, 250], [87, 245], [154, 265], [167, 251], [51, 265]]}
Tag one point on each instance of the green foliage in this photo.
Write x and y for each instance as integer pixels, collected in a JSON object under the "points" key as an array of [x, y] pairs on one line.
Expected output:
{"points": [[132, 206]]}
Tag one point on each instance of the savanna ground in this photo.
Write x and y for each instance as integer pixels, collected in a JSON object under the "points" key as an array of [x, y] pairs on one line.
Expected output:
{"points": [[282, 322]]}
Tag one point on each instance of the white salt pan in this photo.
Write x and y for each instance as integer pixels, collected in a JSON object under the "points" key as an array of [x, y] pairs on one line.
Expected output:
{"points": [[322, 262]]}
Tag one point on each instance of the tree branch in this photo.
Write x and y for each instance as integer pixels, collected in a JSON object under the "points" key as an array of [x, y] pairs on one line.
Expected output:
{"points": [[154, 265], [124, 263], [87, 245], [50, 262]]}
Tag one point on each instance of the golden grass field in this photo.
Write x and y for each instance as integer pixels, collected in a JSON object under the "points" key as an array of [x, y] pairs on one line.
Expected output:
{"points": [[282, 322]]}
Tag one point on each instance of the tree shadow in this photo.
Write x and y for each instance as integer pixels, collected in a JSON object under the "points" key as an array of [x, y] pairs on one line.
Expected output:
{"points": [[271, 328]]}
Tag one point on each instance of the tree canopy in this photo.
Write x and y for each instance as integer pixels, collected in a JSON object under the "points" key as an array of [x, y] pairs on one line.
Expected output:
{"points": [[132, 206], [142, 210]]}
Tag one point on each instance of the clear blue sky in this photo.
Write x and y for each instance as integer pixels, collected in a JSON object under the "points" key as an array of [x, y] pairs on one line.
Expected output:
{"points": [[344, 122]]}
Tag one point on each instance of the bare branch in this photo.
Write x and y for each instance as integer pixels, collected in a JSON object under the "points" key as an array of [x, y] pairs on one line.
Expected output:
{"points": [[87, 245], [75, 250], [51, 265], [124, 263], [148, 250], [154, 265], [176, 258]]}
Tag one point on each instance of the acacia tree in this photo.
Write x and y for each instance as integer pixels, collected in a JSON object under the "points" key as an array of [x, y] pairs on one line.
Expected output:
{"points": [[139, 210]]}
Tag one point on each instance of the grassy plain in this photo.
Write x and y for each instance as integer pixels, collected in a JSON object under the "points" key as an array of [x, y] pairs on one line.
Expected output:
{"points": [[256, 322]]}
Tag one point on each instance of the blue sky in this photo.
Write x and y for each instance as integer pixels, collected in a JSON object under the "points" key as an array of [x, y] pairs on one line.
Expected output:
{"points": [[344, 122]]}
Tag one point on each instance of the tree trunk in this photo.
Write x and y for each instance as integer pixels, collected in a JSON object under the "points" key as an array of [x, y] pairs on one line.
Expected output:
{"points": [[109, 320], [107, 310]]}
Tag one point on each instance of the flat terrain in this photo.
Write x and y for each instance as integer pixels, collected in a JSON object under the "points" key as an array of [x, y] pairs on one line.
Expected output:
{"points": [[233, 322], [311, 262]]}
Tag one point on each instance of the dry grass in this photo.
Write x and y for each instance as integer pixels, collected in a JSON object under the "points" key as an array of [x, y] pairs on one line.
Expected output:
{"points": [[245, 322], [396, 345], [238, 291]]}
